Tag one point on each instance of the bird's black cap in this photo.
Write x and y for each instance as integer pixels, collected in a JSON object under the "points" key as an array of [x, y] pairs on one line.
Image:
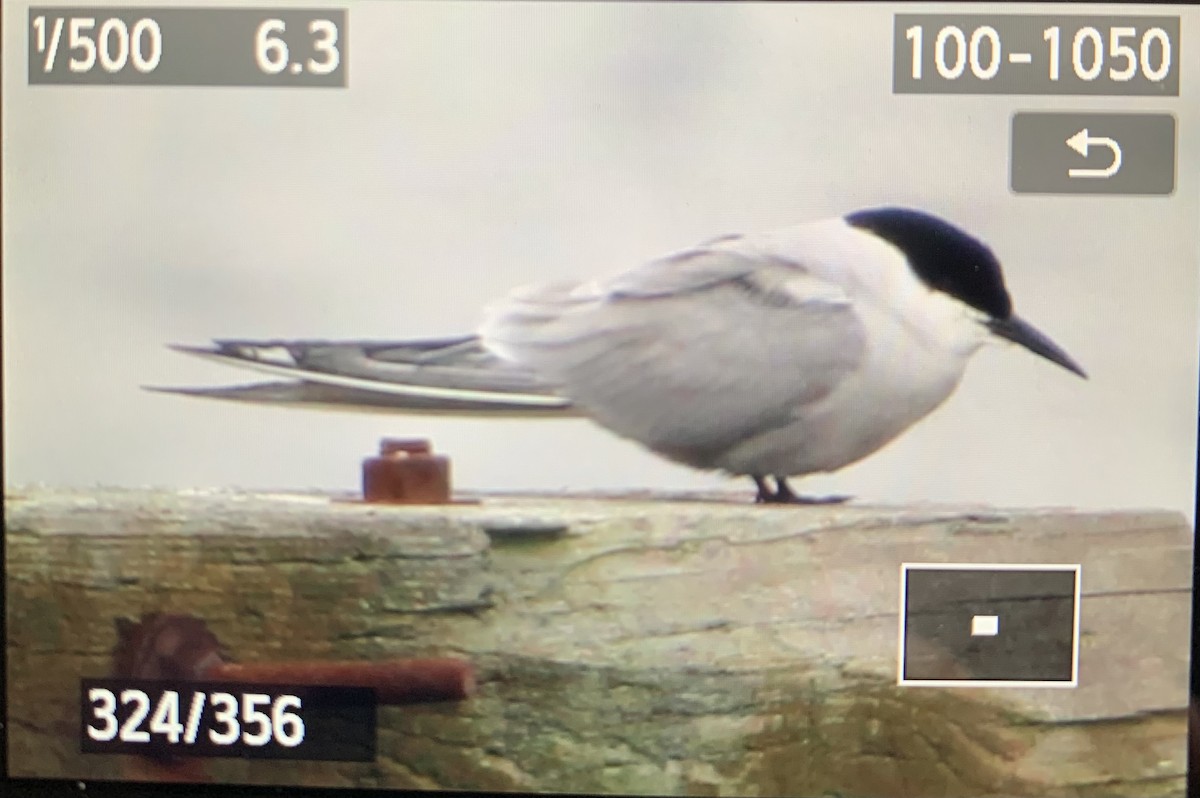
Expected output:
{"points": [[944, 257]]}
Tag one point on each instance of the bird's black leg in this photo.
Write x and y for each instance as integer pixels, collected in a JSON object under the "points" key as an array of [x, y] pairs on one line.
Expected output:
{"points": [[783, 494], [765, 495]]}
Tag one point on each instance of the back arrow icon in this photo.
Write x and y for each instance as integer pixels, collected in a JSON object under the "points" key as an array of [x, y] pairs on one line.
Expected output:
{"points": [[1080, 143]]}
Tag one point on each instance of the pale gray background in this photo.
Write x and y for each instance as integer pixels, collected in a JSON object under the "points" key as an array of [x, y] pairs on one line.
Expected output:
{"points": [[483, 146]]}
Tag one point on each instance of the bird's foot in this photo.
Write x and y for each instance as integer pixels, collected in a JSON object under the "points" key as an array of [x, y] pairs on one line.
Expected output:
{"points": [[783, 494]]}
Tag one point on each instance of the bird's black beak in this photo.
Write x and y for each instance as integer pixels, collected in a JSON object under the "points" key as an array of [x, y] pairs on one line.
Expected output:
{"points": [[1022, 332]]}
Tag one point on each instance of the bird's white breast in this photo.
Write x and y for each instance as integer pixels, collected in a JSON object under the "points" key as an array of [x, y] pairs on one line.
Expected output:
{"points": [[917, 343]]}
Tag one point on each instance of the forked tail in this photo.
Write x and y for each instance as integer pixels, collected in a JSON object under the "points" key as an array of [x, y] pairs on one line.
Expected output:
{"points": [[446, 376]]}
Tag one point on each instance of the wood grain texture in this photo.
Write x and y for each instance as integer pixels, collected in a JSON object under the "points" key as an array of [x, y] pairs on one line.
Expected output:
{"points": [[634, 645]]}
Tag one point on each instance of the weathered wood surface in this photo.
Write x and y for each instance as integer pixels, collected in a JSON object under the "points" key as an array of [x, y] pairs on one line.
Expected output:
{"points": [[636, 646]]}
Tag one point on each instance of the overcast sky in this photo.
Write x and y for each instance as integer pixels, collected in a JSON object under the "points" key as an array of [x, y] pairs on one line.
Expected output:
{"points": [[484, 146]]}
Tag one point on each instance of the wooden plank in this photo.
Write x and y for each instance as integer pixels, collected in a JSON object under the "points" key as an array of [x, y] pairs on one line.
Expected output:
{"points": [[628, 645]]}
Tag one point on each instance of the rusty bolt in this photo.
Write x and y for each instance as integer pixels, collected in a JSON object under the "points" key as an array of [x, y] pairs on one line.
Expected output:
{"points": [[167, 646], [390, 446], [406, 472]]}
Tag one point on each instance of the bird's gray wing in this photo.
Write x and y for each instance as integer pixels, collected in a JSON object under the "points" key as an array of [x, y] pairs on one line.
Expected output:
{"points": [[451, 375], [690, 354]]}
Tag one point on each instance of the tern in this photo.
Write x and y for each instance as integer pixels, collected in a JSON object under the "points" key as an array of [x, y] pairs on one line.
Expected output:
{"points": [[770, 355]]}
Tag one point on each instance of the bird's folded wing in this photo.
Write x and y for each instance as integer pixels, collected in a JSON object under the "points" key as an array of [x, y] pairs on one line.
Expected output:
{"points": [[698, 350], [439, 376]]}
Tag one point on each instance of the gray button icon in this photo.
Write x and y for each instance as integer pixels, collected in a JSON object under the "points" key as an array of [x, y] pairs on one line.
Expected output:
{"points": [[995, 625], [1092, 153]]}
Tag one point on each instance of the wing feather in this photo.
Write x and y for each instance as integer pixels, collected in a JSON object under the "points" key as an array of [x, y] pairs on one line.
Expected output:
{"points": [[689, 354], [448, 374]]}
